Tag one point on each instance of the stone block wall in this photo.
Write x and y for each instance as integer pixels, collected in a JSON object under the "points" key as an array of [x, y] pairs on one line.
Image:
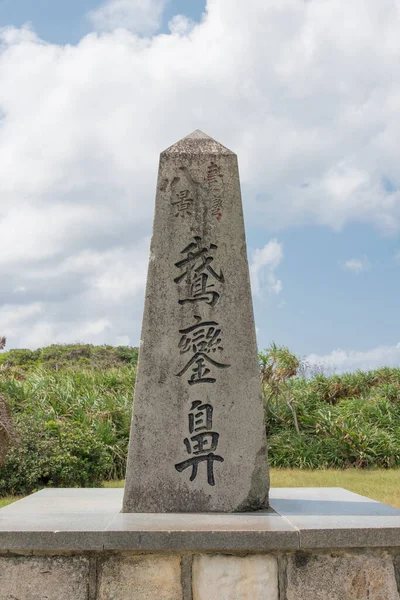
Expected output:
{"points": [[306, 575]]}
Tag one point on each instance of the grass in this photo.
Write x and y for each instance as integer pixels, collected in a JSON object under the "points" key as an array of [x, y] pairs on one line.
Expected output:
{"points": [[8, 500], [345, 422], [97, 401], [62, 356], [114, 484], [379, 484]]}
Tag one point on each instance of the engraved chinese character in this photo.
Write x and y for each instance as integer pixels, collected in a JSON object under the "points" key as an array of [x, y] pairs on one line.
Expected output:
{"points": [[198, 272], [200, 417], [183, 204], [213, 171], [194, 463], [201, 445], [202, 339], [216, 186], [202, 442], [183, 193]]}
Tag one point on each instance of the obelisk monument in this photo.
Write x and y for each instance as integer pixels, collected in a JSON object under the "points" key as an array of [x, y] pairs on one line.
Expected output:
{"points": [[198, 439]]}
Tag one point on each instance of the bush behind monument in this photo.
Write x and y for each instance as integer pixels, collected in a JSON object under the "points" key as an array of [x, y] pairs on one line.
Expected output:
{"points": [[72, 418]]}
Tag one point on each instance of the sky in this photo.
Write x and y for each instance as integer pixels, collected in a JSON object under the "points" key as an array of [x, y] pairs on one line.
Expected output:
{"points": [[307, 93]]}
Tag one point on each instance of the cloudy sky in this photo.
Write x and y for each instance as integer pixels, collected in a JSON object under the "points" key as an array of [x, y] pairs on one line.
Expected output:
{"points": [[306, 92]]}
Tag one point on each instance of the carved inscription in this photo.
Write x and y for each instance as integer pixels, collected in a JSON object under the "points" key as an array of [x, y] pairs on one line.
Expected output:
{"points": [[183, 204], [216, 186], [201, 443], [198, 272], [184, 190], [201, 340]]}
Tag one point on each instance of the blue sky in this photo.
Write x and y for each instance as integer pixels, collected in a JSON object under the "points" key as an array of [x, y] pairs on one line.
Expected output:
{"points": [[67, 22], [329, 306], [311, 108]]}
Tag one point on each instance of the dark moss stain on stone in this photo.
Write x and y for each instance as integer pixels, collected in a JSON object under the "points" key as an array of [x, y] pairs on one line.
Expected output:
{"points": [[257, 497], [301, 559]]}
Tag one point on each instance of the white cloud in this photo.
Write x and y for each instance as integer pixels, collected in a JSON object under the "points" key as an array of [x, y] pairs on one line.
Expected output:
{"points": [[44, 333], [93, 296], [180, 25], [263, 264], [10, 315], [307, 94], [342, 361], [357, 265], [139, 16], [122, 340]]}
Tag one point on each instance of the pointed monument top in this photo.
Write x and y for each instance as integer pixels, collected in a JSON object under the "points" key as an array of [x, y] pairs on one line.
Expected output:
{"points": [[198, 134], [198, 143], [198, 441]]}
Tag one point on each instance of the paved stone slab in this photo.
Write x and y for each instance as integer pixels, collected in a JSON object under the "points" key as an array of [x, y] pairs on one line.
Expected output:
{"points": [[140, 578], [198, 436], [43, 577], [63, 519], [213, 531], [59, 519], [98, 503], [341, 576], [304, 517], [335, 517], [229, 577]]}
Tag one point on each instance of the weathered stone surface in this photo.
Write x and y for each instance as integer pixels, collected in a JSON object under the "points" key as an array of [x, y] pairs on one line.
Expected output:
{"points": [[198, 438], [341, 576], [229, 577], [140, 578], [44, 577]]}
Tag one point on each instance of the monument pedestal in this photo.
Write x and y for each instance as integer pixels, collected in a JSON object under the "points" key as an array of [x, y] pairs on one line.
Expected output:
{"points": [[312, 544]]}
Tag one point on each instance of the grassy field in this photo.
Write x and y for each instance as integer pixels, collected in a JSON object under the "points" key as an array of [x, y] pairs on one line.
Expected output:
{"points": [[71, 409], [379, 484], [8, 500], [382, 485]]}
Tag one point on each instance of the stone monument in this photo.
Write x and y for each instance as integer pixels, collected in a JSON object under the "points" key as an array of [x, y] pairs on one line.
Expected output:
{"points": [[198, 444], [198, 439]]}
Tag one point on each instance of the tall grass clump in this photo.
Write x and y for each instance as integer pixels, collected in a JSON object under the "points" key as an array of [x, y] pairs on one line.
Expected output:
{"points": [[6, 426], [71, 416], [341, 421], [69, 411]]}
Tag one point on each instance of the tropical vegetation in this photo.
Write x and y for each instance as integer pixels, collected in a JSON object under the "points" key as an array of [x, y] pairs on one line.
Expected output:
{"points": [[70, 407]]}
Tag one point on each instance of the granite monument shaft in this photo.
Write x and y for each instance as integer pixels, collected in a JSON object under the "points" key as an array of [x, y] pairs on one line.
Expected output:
{"points": [[198, 436]]}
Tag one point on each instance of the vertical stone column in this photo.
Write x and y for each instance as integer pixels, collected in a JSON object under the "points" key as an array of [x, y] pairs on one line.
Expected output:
{"points": [[198, 437]]}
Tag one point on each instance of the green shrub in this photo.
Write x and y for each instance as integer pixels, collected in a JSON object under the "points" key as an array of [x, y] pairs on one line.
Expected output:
{"points": [[345, 421], [61, 356], [96, 401], [71, 407], [6, 427], [57, 454]]}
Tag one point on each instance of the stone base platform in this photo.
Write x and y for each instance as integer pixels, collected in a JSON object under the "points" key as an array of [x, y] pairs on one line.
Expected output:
{"points": [[313, 544]]}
